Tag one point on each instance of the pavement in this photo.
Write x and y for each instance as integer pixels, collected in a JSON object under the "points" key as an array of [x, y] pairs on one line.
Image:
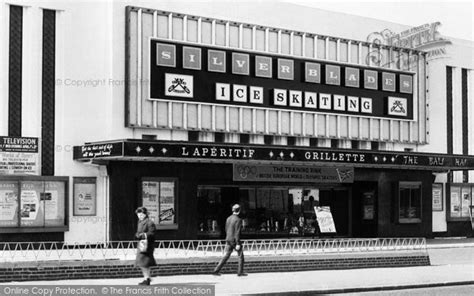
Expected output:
{"points": [[452, 263]]}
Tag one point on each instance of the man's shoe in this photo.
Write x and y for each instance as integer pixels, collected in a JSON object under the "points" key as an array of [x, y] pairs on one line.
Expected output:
{"points": [[216, 273], [242, 274], [145, 282]]}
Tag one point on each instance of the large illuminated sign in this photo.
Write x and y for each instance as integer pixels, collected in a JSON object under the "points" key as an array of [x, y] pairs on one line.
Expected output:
{"points": [[191, 72]]}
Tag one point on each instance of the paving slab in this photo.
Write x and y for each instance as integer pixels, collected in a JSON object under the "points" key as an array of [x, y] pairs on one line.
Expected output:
{"points": [[286, 283]]}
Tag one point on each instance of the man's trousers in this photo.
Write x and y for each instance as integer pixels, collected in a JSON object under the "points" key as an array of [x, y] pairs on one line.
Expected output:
{"points": [[228, 251]]}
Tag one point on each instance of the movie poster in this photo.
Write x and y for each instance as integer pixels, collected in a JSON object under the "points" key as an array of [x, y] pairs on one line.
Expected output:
{"points": [[465, 201], [85, 197], [31, 210], [8, 204], [437, 197], [167, 203], [32, 203], [150, 191], [455, 202], [52, 200]]}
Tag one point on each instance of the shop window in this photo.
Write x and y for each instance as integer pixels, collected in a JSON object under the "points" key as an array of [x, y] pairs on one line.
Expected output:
{"points": [[272, 211], [33, 204], [210, 211], [460, 202], [409, 202], [159, 196]]}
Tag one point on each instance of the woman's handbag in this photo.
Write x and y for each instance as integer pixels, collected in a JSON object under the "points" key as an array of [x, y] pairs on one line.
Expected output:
{"points": [[143, 244]]}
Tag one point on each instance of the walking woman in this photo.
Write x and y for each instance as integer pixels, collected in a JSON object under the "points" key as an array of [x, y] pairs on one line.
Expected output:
{"points": [[145, 230]]}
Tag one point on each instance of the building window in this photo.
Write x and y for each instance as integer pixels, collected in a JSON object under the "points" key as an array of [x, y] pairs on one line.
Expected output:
{"points": [[374, 146], [291, 141], [409, 202], [268, 140], [334, 143], [313, 142], [460, 201], [266, 211], [244, 138], [159, 196], [148, 137], [33, 204], [193, 136], [354, 144], [219, 137]]}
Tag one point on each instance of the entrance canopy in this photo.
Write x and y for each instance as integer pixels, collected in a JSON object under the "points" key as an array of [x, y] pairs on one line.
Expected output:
{"points": [[146, 150]]}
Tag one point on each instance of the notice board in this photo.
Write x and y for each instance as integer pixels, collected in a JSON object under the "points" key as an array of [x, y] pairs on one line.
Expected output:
{"points": [[325, 220]]}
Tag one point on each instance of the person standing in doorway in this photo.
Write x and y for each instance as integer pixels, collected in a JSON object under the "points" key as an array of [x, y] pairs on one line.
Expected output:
{"points": [[145, 230], [233, 228]]}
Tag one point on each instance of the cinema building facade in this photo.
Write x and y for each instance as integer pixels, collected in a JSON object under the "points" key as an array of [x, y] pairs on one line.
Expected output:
{"points": [[188, 110]]}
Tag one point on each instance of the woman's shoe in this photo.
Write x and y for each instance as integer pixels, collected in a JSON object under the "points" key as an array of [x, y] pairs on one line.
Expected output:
{"points": [[145, 282]]}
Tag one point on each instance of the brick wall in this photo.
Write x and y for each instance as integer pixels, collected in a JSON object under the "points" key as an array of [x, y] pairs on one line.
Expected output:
{"points": [[126, 269]]}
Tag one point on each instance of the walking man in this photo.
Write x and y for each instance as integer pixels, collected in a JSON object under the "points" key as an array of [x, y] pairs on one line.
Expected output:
{"points": [[233, 227]]}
